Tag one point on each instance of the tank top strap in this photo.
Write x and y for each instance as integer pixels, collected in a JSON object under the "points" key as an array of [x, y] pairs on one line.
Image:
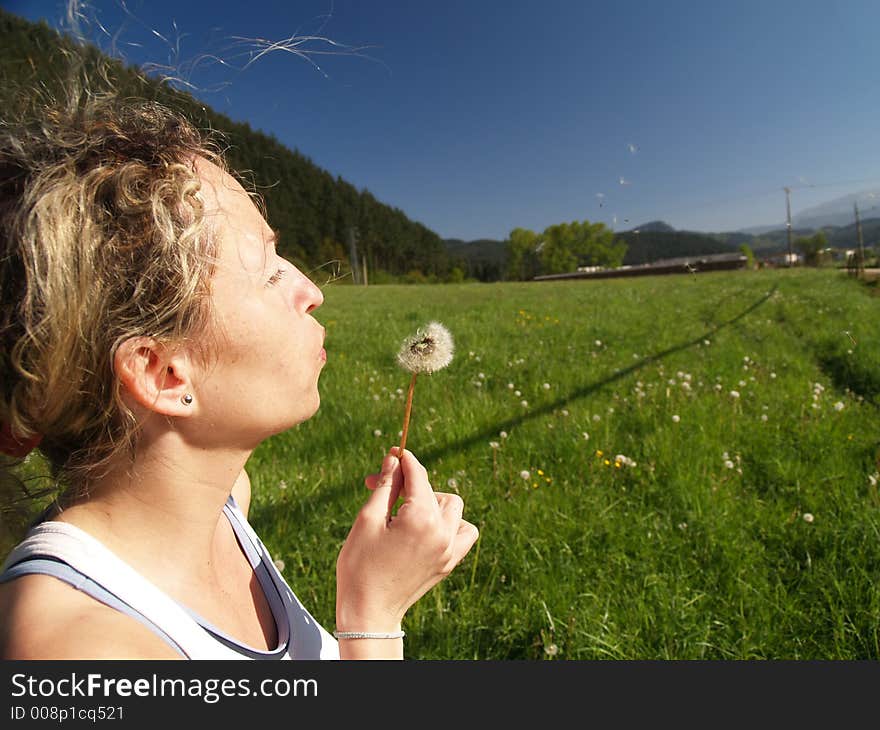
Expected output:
{"points": [[68, 543]]}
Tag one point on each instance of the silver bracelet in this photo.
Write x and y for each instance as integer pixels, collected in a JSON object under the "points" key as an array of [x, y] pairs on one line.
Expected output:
{"points": [[368, 635]]}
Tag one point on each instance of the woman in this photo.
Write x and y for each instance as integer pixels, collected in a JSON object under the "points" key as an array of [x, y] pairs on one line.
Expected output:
{"points": [[150, 339]]}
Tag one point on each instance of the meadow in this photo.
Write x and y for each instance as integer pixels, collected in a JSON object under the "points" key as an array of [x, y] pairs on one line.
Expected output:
{"points": [[678, 467]]}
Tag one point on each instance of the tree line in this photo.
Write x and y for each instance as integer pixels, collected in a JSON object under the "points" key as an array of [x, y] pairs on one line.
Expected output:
{"points": [[319, 217]]}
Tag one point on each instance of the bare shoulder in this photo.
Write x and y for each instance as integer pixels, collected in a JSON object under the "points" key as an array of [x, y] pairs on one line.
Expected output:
{"points": [[241, 492], [44, 618]]}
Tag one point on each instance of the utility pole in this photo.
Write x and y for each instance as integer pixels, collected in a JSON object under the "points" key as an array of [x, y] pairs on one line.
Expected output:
{"points": [[860, 268], [352, 252], [788, 221]]}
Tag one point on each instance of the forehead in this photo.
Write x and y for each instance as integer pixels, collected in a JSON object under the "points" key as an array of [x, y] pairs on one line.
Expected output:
{"points": [[239, 227], [222, 194]]}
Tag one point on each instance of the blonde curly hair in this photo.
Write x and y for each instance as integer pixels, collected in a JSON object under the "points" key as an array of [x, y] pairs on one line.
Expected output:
{"points": [[102, 238]]}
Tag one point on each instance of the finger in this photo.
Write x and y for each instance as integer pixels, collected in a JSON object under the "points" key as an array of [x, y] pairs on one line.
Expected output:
{"points": [[416, 485], [463, 541], [387, 487], [451, 505], [371, 480]]}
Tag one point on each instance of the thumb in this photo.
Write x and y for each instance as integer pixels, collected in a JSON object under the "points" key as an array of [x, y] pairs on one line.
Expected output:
{"points": [[387, 486]]}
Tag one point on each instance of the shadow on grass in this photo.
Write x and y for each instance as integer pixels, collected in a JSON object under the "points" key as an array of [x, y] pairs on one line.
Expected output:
{"points": [[332, 492]]}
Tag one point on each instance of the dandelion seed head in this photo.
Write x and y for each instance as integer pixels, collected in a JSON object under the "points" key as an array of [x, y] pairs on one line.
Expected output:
{"points": [[430, 349], [525, 475], [676, 418], [808, 517]]}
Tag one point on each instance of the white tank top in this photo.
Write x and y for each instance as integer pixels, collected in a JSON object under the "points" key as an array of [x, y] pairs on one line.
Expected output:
{"points": [[66, 552]]}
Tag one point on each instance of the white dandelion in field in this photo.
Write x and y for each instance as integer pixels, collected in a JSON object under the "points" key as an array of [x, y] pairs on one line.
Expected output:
{"points": [[279, 563], [430, 349], [706, 342], [377, 433], [503, 434], [597, 417], [773, 376], [676, 418], [585, 435], [808, 517], [564, 412], [729, 464], [452, 483], [546, 386], [764, 417], [525, 475], [510, 386], [872, 478], [734, 394], [494, 445], [524, 403], [598, 343], [282, 484], [839, 406]]}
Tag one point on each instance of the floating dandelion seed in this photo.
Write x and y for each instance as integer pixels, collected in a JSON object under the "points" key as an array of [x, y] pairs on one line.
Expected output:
{"points": [[430, 349]]}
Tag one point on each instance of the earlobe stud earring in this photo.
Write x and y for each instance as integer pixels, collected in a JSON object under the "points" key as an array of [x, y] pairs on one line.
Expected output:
{"points": [[186, 399]]}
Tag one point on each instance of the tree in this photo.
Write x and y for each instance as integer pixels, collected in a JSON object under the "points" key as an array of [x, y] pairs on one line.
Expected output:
{"points": [[811, 247], [522, 260]]}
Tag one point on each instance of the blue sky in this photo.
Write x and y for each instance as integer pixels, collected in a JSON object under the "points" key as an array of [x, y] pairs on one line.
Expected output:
{"points": [[475, 117]]}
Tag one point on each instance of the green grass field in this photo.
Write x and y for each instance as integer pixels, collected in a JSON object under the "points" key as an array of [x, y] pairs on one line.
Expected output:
{"points": [[742, 519]]}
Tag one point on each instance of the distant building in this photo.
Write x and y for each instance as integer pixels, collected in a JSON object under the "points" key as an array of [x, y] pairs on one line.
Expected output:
{"points": [[783, 259], [679, 265]]}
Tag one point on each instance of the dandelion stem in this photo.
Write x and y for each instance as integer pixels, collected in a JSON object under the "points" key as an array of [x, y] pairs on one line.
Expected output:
{"points": [[409, 398]]}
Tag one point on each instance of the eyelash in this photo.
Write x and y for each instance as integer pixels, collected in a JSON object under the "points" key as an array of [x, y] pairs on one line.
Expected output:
{"points": [[276, 277]]}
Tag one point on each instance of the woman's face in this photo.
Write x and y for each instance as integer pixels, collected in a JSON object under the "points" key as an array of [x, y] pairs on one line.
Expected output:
{"points": [[263, 377]]}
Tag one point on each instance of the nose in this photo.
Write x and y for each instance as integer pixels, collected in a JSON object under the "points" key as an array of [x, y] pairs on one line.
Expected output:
{"points": [[313, 296]]}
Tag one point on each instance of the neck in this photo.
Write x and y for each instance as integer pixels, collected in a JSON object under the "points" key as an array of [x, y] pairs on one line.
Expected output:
{"points": [[162, 512]]}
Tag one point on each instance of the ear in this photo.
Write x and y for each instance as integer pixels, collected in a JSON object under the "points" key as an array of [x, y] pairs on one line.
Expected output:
{"points": [[153, 377]]}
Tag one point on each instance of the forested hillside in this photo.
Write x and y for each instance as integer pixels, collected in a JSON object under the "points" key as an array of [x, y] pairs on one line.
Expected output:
{"points": [[316, 214]]}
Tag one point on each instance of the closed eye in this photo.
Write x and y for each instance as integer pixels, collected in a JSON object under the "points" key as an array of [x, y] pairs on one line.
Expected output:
{"points": [[276, 277]]}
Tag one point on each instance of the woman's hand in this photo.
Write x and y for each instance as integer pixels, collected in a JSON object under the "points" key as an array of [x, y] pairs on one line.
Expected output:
{"points": [[390, 561]]}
